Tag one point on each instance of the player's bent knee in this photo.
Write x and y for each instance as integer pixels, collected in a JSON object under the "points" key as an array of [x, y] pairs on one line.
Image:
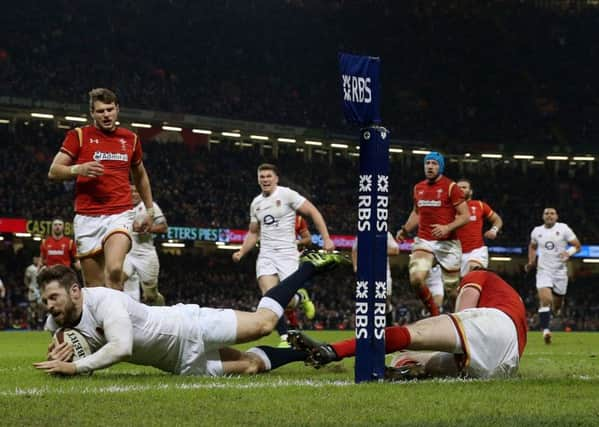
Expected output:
{"points": [[264, 325], [451, 280], [254, 364], [418, 269]]}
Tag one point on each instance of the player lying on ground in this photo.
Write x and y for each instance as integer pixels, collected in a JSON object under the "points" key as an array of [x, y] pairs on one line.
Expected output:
{"points": [[182, 339], [485, 337]]}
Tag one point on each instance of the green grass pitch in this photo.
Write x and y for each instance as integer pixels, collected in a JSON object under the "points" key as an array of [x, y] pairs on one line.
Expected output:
{"points": [[558, 385]]}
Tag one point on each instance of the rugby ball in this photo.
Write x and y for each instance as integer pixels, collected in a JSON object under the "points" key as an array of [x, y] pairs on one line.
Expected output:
{"points": [[80, 345]]}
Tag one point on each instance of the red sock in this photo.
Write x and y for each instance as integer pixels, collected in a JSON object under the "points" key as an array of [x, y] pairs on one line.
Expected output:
{"points": [[427, 298], [396, 338], [345, 348], [291, 317]]}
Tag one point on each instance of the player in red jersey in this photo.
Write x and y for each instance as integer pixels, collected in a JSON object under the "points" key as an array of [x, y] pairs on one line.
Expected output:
{"points": [[439, 209], [484, 338], [100, 158], [474, 251], [58, 248], [303, 233]]}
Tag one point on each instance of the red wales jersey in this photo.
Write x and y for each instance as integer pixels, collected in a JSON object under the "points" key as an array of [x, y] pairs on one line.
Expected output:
{"points": [[58, 251], [300, 224], [471, 234], [117, 151], [436, 204], [496, 293]]}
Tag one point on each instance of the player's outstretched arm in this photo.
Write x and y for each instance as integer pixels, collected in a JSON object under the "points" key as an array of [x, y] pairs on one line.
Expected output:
{"points": [[248, 243], [142, 183], [308, 209]]}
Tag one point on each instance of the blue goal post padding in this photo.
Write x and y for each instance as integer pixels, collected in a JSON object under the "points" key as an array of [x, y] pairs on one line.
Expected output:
{"points": [[371, 280]]}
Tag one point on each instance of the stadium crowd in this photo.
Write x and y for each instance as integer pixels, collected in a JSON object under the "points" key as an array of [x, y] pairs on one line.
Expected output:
{"points": [[192, 186], [219, 59], [451, 94], [214, 281]]}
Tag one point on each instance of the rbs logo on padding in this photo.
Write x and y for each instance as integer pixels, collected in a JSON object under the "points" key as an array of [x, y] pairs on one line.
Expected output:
{"points": [[356, 89]]}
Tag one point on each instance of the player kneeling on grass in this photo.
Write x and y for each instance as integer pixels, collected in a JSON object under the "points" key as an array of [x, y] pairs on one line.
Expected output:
{"points": [[182, 339], [484, 338]]}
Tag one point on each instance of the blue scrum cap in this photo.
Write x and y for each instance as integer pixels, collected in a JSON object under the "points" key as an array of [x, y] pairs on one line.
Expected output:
{"points": [[437, 157]]}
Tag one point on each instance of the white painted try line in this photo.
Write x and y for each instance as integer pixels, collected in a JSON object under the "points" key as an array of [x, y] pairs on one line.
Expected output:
{"points": [[38, 391]]}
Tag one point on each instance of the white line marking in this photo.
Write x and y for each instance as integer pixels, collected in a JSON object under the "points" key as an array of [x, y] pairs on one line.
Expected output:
{"points": [[191, 386]]}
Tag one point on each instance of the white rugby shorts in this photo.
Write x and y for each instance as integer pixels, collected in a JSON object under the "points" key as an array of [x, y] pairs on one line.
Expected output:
{"points": [[448, 253], [489, 342], [478, 255], [132, 287], [92, 231], [214, 329], [556, 280], [146, 265], [280, 262]]}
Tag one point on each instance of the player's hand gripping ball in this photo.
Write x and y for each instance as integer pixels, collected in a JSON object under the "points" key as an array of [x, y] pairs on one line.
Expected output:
{"points": [[80, 345]]}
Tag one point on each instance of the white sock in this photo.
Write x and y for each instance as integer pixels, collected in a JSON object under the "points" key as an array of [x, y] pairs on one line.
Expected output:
{"points": [[272, 305], [260, 353]]}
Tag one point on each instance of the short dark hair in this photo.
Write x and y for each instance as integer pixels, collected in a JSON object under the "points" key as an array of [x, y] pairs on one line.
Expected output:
{"points": [[465, 180], [64, 275], [103, 95], [268, 167]]}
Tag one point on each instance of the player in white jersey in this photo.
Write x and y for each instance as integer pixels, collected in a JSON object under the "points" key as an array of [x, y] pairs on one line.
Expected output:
{"points": [[30, 280], [392, 250], [143, 259], [272, 221], [549, 241], [182, 339], [33, 292]]}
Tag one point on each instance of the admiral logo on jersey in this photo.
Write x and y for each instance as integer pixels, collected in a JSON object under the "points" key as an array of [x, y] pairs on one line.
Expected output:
{"points": [[99, 156], [429, 203]]}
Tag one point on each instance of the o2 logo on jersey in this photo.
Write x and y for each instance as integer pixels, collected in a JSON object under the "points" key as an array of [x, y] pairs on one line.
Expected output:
{"points": [[549, 245], [270, 220]]}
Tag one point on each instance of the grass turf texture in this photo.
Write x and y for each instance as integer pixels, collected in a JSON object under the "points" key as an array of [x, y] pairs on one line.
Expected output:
{"points": [[558, 385]]}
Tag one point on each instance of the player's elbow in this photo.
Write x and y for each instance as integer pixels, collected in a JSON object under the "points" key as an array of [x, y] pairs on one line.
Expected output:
{"points": [[52, 174], [123, 351]]}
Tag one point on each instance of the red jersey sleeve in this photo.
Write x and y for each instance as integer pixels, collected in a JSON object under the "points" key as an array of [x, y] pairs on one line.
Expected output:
{"points": [[137, 153], [72, 143], [473, 279], [300, 224], [487, 211], [456, 195]]}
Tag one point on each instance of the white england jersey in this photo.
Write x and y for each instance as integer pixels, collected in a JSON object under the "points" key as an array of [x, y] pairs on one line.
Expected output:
{"points": [[144, 242], [550, 243], [33, 290], [162, 336], [276, 215]]}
